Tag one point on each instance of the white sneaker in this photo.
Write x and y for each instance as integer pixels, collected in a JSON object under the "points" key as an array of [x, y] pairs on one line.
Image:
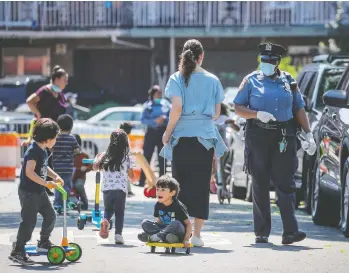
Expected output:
{"points": [[119, 239], [197, 241]]}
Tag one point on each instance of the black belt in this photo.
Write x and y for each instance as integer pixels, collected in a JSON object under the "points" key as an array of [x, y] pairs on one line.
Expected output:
{"points": [[271, 125]]}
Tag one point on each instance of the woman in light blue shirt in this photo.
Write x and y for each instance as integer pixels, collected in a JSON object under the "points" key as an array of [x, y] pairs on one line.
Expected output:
{"points": [[191, 136]]}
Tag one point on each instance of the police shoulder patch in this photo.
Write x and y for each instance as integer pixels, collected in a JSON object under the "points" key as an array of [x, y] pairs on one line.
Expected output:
{"points": [[245, 80], [243, 83]]}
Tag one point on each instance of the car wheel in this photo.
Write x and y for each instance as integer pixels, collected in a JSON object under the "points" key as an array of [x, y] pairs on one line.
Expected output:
{"points": [[322, 211], [345, 201]]}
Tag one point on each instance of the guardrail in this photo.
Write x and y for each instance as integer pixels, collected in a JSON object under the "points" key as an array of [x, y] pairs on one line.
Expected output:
{"points": [[95, 138], [92, 15]]}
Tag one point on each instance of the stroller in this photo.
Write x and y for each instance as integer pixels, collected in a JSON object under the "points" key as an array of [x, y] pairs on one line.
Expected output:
{"points": [[222, 169]]}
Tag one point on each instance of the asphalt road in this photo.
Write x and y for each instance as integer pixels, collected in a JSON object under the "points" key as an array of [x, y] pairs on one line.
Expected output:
{"points": [[228, 236]]}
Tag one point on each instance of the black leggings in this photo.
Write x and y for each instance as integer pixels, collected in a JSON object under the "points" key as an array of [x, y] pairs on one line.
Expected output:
{"points": [[114, 202]]}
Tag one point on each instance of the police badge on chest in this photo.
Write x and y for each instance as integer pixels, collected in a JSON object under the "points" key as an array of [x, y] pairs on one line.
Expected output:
{"points": [[287, 86]]}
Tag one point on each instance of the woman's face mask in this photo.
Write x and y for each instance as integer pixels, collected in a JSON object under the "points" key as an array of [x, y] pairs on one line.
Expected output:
{"points": [[55, 88], [157, 100], [267, 68]]}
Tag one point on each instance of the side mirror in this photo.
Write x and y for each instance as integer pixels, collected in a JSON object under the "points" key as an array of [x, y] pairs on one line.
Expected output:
{"points": [[337, 98]]}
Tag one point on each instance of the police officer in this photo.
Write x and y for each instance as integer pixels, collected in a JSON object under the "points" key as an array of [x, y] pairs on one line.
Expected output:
{"points": [[271, 102], [155, 116]]}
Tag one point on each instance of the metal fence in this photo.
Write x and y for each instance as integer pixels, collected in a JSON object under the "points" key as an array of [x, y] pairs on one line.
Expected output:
{"points": [[91, 15]]}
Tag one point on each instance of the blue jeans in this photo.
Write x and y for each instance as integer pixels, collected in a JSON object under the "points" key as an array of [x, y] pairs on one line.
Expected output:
{"points": [[68, 180]]}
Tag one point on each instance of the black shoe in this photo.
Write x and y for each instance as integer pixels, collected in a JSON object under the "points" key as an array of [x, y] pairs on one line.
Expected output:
{"points": [[130, 194], [261, 239], [298, 236], [44, 245], [144, 237], [21, 258], [49, 193]]}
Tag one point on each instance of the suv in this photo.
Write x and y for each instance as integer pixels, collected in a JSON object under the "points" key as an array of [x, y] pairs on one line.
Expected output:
{"points": [[313, 80], [330, 171]]}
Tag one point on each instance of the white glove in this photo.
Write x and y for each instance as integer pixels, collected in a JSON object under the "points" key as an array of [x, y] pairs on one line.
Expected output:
{"points": [[309, 145], [265, 117]]}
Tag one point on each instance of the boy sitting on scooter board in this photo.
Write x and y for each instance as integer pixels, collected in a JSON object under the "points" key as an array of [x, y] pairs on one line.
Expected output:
{"points": [[32, 194], [172, 223]]}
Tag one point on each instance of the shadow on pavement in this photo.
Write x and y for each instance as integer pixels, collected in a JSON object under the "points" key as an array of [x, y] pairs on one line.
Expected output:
{"points": [[111, 245], [286, 248], [236, 218], [43, 266]]}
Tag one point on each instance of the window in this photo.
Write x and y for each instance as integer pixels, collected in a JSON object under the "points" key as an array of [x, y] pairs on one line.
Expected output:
{"points": [[308, 83], [330, 80], [123, 116]]}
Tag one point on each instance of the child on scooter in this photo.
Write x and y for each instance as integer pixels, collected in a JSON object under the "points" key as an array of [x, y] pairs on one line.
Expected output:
{"points": [[172, 223], [117, 166], [31, 191]]}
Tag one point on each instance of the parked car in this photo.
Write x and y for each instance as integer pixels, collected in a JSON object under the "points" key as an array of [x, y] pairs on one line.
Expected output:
{"points": [[14, 90], [114, 116], [313, 80], [330, 171]]}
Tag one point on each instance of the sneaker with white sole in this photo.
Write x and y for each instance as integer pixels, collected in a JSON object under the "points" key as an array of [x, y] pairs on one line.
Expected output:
{"points": [[119, 239], [197, 241]]}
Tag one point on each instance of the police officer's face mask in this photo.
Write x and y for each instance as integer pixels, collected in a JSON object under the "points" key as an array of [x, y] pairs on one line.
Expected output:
{"points": [[267, 68]]}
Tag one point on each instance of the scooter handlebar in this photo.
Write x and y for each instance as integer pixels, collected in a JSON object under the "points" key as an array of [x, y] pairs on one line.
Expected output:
{"points": [[87, 161]]}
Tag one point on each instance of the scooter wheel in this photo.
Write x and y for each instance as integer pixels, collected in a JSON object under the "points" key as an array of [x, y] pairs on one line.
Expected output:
{"points": [[152, 249], [110, 224], [74, 255], [56, 255], [80, 224]]}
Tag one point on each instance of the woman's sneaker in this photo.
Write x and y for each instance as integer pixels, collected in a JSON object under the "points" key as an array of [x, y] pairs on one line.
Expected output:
{"points": [[197, 241], [21, 258], [119, 240], [104, 231], [44, 245]]}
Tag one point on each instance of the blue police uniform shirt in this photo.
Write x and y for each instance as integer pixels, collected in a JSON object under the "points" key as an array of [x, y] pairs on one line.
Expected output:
{"points": [[260, 93], [153, 110], [199, 99]]}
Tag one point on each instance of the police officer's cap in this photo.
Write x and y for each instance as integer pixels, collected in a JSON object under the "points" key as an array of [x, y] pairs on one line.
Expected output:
{"points": [[269, 51]]}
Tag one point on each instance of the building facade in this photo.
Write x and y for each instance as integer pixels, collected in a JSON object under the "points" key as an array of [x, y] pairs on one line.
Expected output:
{"points": [[125, 47]]}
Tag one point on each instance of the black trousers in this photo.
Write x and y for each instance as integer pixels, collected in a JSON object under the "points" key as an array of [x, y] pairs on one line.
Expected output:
{"points": [[192, 168], [152, 139], [32, 204], [265, 162]]}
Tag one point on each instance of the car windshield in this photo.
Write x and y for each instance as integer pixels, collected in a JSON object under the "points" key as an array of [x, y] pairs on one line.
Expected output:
{"points": [[330, 80], [123, 116]]}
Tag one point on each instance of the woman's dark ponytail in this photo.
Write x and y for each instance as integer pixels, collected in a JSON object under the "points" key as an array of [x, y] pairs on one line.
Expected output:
{"points": [[191, 52]]}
